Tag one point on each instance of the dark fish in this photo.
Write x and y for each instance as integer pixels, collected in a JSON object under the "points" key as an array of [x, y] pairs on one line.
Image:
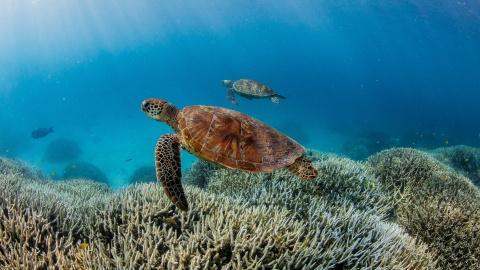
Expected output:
{"points": [[128, 160], [41, 132]]}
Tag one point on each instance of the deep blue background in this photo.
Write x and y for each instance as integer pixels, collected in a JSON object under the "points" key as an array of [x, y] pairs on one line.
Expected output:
{"points": [[346, 67]]}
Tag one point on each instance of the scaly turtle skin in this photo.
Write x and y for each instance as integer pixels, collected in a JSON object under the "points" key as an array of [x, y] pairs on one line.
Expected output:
{"points": [[221, 136], [250, 89]]}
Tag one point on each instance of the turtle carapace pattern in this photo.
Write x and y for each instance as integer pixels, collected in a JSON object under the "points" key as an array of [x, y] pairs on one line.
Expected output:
{"points": [[222, 136]]}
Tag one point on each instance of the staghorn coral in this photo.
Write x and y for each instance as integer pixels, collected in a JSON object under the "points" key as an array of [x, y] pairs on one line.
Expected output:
{"points": [[433, 203], [340, 181], [199, 173], [137, 228], [448, 225], [464, 159]]}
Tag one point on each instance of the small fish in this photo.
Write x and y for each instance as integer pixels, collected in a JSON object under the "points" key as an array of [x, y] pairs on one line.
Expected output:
{"points": [[43, 160], [171, 220], [446, 142], [373, 185], [73, 167], [53, 173], [82, 246], [41, 132], [13, 159], [286, 211], [466, 160], [6, 151], [378, 142], [443, 176], [316, 187], [128, 160]]}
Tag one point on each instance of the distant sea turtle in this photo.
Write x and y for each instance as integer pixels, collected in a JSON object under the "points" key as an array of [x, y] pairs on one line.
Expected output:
{"points": [[250, 89], [225, 137]]}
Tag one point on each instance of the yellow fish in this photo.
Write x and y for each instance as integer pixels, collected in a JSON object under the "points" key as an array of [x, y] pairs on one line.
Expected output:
{"points": [[373, 185], [466, 160], [53, 173], [73, 167], [6, 151], [82, 246], [171, 220], [443, 176], [446, 142]]}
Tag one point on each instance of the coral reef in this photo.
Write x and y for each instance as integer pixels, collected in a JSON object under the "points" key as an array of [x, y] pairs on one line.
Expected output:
{"points": [[199, 173], [464, 159], [144, 174], [84, 170], [62, 150], [434, 203], [43, 225]]}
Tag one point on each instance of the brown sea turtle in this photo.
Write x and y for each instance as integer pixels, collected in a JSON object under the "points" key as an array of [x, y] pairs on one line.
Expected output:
{"points": [[225, 137], [250, 89]]}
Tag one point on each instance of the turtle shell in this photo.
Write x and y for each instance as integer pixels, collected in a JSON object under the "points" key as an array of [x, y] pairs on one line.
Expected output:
{"points": [[252, 88], [235, 140]]}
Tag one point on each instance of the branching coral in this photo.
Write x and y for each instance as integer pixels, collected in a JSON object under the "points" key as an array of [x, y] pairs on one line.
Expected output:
{"points": [[199, 173], [434, 203], [138, 228], [448, 225]]}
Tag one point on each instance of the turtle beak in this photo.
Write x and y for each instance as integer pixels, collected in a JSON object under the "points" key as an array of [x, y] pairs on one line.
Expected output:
{"points": [[145, 106]]}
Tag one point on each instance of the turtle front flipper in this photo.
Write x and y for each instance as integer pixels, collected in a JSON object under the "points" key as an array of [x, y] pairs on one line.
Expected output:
{"points": [[231, 96], [303, 168], [169, 169]]}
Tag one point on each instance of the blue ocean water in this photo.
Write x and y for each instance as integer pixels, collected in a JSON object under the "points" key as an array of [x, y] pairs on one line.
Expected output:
{"points": [[394, 73]]}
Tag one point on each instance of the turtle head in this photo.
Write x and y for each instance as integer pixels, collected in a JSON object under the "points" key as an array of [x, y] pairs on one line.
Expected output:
{"points": [[160, 110], [227, 83]]}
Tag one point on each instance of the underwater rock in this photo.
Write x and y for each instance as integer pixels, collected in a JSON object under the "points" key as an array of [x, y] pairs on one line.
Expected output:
{"points": [[143, 174], [84, 170], [62, 150]]}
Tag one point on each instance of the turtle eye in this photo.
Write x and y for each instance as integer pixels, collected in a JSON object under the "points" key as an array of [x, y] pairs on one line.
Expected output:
{"points": [[145, 105]]}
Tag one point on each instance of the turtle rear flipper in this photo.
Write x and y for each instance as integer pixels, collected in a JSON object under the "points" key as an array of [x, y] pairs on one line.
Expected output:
{"points": [[169, 169], [303, 168], [231, 96], [275, 100]]}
